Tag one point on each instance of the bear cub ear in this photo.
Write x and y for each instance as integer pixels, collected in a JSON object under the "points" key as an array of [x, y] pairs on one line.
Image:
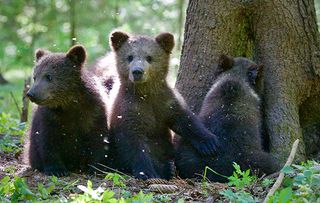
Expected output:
{"points": [[225, 62], [255, 74], [166, 41], [40, 53], [117, 38], [77, 54]]}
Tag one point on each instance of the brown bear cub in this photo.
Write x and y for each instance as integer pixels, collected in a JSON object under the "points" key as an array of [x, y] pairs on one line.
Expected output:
{"points": [[230, 110], [69, 124], [146, 108]]}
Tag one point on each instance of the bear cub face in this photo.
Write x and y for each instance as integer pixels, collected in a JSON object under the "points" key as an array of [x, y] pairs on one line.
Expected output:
{"points": [[56, 76], [141, 59], [241, 69]]}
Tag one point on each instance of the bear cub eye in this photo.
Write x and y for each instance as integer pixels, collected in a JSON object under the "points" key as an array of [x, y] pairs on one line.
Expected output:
{"points": [[130, 58], [49, 78], [149, 59]]}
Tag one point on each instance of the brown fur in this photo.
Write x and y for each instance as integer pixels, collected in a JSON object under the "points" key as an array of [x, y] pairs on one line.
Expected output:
{"points": [[70, 123], [232, 111], [146, 109]]}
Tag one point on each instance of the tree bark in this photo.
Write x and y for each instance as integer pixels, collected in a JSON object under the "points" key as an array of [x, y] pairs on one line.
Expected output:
{"points": [[283, 36]]}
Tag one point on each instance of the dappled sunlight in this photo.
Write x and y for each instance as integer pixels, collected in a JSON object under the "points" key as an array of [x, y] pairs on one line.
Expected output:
{"points": [[15, 75]]}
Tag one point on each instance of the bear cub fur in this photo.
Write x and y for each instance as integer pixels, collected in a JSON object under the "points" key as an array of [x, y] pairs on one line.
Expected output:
{"points": [[69, 124], [146, 108], [230, 110]]}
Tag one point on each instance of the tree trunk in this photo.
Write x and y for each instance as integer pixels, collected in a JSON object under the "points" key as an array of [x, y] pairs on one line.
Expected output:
{"points": [[116, 13], [180, 22], [2, 80], [25, 101], [283, 36], [72, 8]]}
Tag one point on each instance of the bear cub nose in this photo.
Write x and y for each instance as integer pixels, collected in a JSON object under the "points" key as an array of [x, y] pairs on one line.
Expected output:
{"points": [[30, 95], [137, 74]]}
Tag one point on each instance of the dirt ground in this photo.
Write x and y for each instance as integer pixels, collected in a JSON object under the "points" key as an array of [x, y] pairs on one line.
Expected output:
{"points": [[173, 190]]}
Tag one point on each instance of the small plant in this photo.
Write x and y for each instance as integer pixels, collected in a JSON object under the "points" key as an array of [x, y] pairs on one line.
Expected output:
{"points": [[91, 195], [45, 192], [303, 184], [204, 178], [6, 189], [241, 179], [117, 179], [239, 196], [107, 196], [21, 191], [163, 198], [266, 182], [141, 198], [16, 190]]}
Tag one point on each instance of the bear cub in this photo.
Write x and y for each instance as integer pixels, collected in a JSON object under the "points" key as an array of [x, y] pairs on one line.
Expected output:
{"points": [[230, 110], [146, 108], [69, 124]]}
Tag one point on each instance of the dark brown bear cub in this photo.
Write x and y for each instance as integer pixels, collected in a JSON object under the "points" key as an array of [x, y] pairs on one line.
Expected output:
{"points": [[146, 109], [70, 123], [231, 110]]}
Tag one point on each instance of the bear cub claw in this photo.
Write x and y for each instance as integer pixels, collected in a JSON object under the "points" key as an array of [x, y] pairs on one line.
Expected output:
{"points": [[56, 171], [207, 146]]}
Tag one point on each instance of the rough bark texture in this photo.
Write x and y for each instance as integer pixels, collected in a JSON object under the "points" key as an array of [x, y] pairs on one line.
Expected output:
{"points": [[283, 36]]}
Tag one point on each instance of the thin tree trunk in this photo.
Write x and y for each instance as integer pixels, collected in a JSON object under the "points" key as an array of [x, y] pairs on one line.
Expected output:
{"points": [[3, 80], [283, 36], [72, 8], [35, 35], [180, 23], [25, 101], [116, 14]]}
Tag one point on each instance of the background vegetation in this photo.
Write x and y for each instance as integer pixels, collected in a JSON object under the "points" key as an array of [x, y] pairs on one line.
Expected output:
{"points": [[57, 24]]}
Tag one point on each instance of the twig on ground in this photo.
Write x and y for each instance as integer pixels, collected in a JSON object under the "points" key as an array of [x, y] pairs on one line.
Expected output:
{"points": [[114, 170], [279, 180]]}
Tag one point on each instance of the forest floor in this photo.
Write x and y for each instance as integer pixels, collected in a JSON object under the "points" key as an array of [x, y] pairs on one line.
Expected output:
{"points": [[155, 190]]}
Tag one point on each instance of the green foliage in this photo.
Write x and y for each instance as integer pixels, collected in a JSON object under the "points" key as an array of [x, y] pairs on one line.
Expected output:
{"points": [[266, 182], [241, 179], [302, 184], [11, 126], [117, 179], [27, 25], [163, 198], [8, 127], [45, 192], [15, 190], [91, 195], [105, 195], [239, 196]]}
